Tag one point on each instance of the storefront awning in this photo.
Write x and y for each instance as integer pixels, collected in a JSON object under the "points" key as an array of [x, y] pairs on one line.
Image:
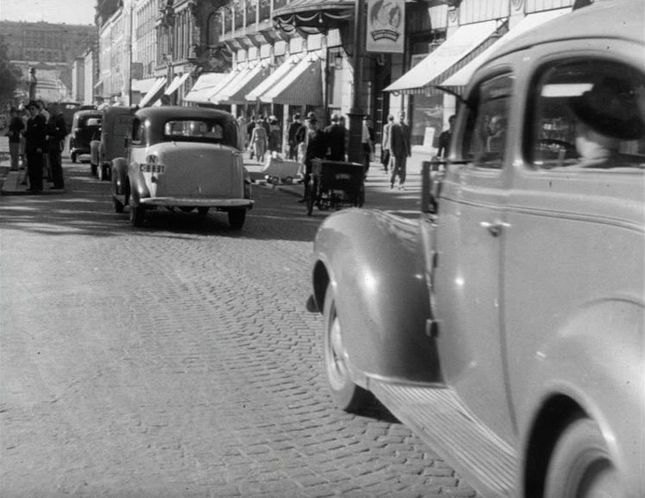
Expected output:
{"points": [[142, 86], [235, 92], [176, 83], [273, 78], [154, 93], [205, 86], [313, 16], [301, 86], [237, 74], [462, 77], [455, 48]]}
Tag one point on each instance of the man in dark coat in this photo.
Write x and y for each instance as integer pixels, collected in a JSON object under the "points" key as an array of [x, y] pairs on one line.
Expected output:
{"points": [[56, 131], [35, 140], [292, 136], [400, 150], [335, 134], [315, 148]]}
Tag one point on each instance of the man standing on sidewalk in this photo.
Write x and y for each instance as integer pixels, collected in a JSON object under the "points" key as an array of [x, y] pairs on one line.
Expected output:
{"points": [[400, 150], [56, 131], [35, 147]]}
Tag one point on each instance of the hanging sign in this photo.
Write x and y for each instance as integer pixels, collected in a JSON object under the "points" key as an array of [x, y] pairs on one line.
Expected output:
{"points": [[385, 26]]}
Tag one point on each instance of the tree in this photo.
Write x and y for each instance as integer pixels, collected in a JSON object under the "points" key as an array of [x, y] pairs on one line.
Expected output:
{"points": [[10, 75]]}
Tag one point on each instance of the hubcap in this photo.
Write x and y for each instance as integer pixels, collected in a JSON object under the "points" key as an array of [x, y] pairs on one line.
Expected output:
{"points": [[337, 368]]}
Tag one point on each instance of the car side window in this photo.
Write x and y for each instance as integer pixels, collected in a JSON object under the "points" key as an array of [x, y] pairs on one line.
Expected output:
{"points": [[486, 127], [589, 114]]}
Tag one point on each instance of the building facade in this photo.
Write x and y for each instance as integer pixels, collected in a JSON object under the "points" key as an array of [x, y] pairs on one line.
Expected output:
{"points": [[51, 49]]}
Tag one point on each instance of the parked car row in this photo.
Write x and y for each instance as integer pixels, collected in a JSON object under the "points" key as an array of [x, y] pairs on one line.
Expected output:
{"points": [[507, 328]]}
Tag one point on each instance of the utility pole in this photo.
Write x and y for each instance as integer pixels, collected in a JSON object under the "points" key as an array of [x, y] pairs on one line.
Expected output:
{"points": [[355, 152]]}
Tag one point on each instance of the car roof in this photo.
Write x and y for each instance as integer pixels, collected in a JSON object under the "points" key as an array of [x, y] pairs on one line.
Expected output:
{"points": [[165, 113], [617, 19]]}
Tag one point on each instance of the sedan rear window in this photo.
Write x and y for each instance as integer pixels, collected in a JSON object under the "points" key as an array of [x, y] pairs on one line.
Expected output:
{"points": [[200, 131], [589, 114]]}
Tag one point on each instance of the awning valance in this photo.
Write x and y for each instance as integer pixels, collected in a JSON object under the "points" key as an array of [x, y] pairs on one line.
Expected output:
{"points": [[273, 78], [154, 93], [235, 92], [455, 48], [462, 77], [176, 83], [313, 16], [205, 86], [301, 86]]}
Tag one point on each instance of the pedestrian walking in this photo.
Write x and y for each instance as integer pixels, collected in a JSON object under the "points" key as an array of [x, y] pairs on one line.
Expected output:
{"points": [[16, 126], [385, 143], [259, 140], [249, 132], [275, 135], [335, 135], [445, 137], [56, 132], [400, 150], [42, 109], [367, 142], [292, 134], [315, 148], [35, 137]]}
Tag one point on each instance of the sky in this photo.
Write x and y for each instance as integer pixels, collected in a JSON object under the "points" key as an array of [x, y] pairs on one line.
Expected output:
{"points": [[53, 11]]}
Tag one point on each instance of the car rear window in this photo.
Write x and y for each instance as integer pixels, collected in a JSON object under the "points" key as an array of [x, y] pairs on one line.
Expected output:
{"points": [[588, 113], [198, 130]]}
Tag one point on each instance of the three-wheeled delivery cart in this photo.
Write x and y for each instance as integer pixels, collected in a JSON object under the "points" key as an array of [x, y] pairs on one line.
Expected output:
{"points": [[334, 184]]}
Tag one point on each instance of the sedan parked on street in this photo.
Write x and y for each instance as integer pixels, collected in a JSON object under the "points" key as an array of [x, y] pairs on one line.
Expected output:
{"points": [[184, 158]]}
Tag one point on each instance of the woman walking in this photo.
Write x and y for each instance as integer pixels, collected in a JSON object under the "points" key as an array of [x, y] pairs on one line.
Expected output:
{"points": [[259, 140]]}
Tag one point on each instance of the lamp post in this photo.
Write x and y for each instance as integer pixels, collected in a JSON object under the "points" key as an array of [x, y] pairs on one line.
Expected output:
{"points": [[355, 152]]}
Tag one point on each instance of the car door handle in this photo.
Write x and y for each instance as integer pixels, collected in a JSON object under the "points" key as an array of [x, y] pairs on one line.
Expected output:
{"points": [[495, 227]]}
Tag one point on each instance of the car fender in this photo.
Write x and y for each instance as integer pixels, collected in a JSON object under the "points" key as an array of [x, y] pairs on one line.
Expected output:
{"points": [[607, 335], [137, 184], [372, 259], [119, 176]]}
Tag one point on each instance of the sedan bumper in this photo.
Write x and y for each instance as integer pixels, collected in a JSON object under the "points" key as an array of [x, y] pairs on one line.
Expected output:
{"points": [[197, 202]]}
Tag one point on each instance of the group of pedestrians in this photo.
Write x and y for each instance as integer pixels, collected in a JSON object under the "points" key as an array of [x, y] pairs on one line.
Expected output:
{"points": [[264, 134], [42, 134]]}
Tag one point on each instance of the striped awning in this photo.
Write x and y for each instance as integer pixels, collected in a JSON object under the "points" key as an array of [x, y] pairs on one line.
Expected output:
{"points": [[301, 86], [176, 83], [462, 77], [237, 74], [154, 93], [142, 86], [236, 91], [450, 52], [205, 86], [273, 78]]}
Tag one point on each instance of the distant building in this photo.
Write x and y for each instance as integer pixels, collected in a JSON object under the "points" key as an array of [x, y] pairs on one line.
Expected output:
{"points": [[51, 49]]}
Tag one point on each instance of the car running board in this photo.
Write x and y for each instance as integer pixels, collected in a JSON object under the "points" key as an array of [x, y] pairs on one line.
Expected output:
{"points": [[440, 419]]}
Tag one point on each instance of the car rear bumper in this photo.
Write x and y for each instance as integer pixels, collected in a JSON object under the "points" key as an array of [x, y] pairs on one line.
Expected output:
{"points": [[197, 202]]}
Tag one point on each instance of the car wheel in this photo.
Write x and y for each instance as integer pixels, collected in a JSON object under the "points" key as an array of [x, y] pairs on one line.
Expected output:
{"points": [[118, 205], [137, 215], [73, 157], [202, 211], [580, 465], [236, 218], [347, 395]]}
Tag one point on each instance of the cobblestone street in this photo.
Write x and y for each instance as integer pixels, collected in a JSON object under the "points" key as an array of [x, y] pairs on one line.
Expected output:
{"points": [[178, 360]]}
